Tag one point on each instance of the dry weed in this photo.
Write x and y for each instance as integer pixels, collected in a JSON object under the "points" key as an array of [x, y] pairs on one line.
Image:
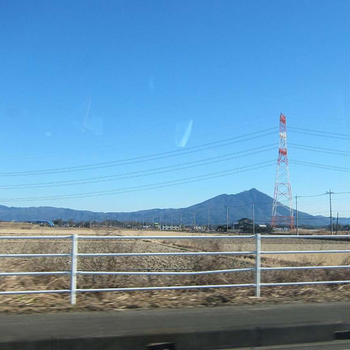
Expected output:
{"points": [[102, 301]]}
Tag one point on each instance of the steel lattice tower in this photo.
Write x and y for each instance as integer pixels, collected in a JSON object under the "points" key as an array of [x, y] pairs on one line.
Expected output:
{"points": [[282, 200]]}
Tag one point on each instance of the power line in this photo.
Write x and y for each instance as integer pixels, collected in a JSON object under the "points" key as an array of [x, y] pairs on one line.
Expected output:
{"points": [[169, 154], [142, 173], [320, 133], [321, 194], [145, 158], [292, 129], [319, 149], [192, 179], [313, 195], [321, 166], [160, 170], [163, 184]]}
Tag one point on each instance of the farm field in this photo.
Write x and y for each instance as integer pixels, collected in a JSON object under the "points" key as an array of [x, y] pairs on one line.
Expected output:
{"points": [[153, 299]]}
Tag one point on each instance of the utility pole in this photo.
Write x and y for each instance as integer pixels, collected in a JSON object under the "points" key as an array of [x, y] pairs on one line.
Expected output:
{"points": [[208, 219], [296, 215], [226, 219], [336, 227], [253, 216], [330, 211]]}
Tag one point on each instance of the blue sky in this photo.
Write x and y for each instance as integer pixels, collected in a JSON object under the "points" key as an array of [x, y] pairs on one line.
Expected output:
{"points": [[86, 82]]}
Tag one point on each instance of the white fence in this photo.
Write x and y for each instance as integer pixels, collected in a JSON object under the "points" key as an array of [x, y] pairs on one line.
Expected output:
{"points": [[257, 252]]}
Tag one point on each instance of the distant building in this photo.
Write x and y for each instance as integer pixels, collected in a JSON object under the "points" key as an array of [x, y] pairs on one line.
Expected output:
{"points": [[170, 227], [199, 228]]}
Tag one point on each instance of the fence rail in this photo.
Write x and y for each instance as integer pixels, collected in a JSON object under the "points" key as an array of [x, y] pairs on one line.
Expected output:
{"points": [[74, 256]]}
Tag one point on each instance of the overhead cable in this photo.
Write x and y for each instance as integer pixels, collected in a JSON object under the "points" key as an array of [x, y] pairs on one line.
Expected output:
{"points": [[321, 133], [181, 181], [145, 158], [143, 172], [321, 166], [319, 149]]}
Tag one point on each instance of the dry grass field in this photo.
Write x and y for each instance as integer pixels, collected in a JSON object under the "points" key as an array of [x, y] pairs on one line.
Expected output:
{"points": [[152, 299]]}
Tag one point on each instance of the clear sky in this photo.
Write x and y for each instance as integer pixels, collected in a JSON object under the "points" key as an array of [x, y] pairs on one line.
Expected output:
{"points": [[85, 82]]}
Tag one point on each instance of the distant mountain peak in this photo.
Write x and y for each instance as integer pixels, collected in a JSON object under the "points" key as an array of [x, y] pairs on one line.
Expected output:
{"points": [[214, 210], [254, 190]]}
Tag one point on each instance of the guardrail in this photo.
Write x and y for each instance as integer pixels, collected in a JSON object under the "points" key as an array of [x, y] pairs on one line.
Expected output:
{"points": [[74, 255]]}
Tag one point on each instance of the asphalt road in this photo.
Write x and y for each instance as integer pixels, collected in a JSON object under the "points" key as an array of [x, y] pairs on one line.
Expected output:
{"points": [[187, 328], [72, 325], [332, 345]]}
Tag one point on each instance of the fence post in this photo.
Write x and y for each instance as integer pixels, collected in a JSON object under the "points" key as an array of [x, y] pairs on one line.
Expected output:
{"points": [[257, 265], [73, 274]]}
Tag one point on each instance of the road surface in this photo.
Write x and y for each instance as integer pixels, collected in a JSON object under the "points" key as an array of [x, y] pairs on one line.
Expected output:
{"points": [[333, 345], [239, 326]]}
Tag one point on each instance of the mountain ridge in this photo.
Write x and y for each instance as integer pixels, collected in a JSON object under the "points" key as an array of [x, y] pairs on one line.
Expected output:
{"points": [[213, 210]]}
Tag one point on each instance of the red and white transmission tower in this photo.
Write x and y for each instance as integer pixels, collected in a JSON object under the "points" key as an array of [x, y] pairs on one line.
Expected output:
{"points": [[282, 212]]}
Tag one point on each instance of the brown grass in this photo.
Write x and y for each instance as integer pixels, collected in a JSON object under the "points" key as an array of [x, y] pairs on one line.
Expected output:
{"points": [[186, 298]]}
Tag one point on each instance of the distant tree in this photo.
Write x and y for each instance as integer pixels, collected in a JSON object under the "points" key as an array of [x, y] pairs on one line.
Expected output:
{"points": [[58, 222], [223, 228]]}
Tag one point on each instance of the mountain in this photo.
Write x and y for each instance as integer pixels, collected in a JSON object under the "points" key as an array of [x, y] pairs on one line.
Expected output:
{"points": [[239, 206]]}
